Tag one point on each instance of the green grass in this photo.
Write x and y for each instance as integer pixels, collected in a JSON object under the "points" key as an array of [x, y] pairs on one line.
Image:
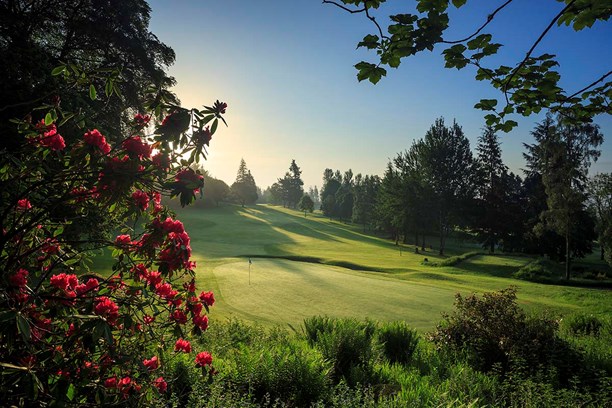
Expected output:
{"points": [[304, 266]]}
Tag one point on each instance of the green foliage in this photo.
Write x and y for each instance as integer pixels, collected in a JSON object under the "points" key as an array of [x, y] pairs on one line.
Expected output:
{"points": [[244, 189], [306, 204], [495, 335], [584, 324], [399, 342], [285, 370], [453, 260], [540, 270], [348, 344], [528, 86]]}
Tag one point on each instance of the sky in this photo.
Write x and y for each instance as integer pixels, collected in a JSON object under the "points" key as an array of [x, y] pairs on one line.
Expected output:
{"points": [[286, 70]]}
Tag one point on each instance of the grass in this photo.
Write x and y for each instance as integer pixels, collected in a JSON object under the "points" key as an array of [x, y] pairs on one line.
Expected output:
{"points": [[305, 266]]}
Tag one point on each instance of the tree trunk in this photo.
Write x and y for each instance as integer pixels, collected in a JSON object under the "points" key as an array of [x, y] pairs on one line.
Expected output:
{"points": [[492, 248], [422, 242], [567, 253], [601, 256], [441, 252]]}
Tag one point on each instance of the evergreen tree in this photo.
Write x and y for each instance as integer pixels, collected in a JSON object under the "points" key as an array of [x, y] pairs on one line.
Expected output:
{"points": [[244, 188], [600, 204], [365, 193], [291, 186], [331, 184], [493, 191], [563, 155]]}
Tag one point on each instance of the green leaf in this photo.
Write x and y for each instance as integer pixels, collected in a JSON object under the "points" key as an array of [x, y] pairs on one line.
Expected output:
{"points": [[213, 128], [48, 119], [58, 231], [486, 104], [23, 326], [70, 392], [459, 3], [58, 70], [369, 71], [92, 92]]}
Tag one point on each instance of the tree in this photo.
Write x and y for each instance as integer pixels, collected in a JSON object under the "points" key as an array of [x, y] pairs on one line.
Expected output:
{"points": [[244, 189], [448, 168], [306, 204], [215, 190], [291, 186], [89, 39], [331, 184], [600, 203], [493, 190], [364, 203], [529, 86], [563, 156]]}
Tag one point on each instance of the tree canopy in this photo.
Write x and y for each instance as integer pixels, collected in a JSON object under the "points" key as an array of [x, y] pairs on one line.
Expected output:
{"points": [[527, 85]]}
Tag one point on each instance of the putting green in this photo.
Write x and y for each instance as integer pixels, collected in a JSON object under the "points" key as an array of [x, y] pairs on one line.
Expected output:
{"points": [[282, 291]]}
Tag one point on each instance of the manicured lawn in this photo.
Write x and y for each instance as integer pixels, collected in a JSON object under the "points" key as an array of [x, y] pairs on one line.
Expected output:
{"points": [[380, 282], [304, 266]]}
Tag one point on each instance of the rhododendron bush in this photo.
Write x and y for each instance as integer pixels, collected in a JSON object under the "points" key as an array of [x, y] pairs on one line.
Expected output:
{"points": [[68, 333]]}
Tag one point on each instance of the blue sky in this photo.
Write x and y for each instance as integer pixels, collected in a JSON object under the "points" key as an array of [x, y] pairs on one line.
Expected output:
{"points": [[285, 68]]}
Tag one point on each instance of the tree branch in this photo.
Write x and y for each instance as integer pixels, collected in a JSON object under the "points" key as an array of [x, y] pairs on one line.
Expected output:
{"points": [[489, 19], [589, 86], [535, 44], [361, 10]]}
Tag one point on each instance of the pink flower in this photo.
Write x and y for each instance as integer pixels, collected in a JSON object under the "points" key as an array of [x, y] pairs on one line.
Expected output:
{"points": [[96, 139], [51, 138], [123, 240], [161, 161], [141, 199], [203, 359], [154, 278], [105, 307], [136, 147], [148, 319], [92, 284], [111, 382], [20, 278], [160, 384], [182, 345], [208, 298], [152, 363], [201, 322], [24, 204], [165, 291], [141, 120], [64, 281], [179, 316]]}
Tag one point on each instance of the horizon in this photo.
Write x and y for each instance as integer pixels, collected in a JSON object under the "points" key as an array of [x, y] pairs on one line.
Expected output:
{"points": [[286, 72]]}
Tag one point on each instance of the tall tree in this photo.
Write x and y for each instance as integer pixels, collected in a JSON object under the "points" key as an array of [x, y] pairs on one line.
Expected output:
{"points": [[87, 36], [600, 203], [244, 188], [563, 155], [365, 193], [331, 183], [291, 185], [448, 167], [492, 190]]}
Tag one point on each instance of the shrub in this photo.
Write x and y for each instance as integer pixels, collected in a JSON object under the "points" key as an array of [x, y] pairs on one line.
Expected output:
{"points": [[494, 334], [584, 324], [541, 271], [286, 371], [348, 344], [398, 341], [453, 260]]}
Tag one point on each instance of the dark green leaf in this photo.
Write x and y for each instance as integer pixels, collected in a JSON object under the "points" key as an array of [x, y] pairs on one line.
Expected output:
{"points": [[92, 92], [23, 326]]}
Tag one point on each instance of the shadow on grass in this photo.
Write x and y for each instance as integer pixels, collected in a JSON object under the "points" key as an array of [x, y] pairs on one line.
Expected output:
{"points": [[320, 261]]}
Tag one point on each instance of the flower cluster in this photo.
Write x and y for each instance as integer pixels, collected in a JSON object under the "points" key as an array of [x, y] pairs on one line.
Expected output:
{"points": [[77, 328], [95, 139]]}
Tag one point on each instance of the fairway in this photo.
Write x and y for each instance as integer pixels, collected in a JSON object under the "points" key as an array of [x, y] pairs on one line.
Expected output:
{"points": [[288, 291], [348, 272]]}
